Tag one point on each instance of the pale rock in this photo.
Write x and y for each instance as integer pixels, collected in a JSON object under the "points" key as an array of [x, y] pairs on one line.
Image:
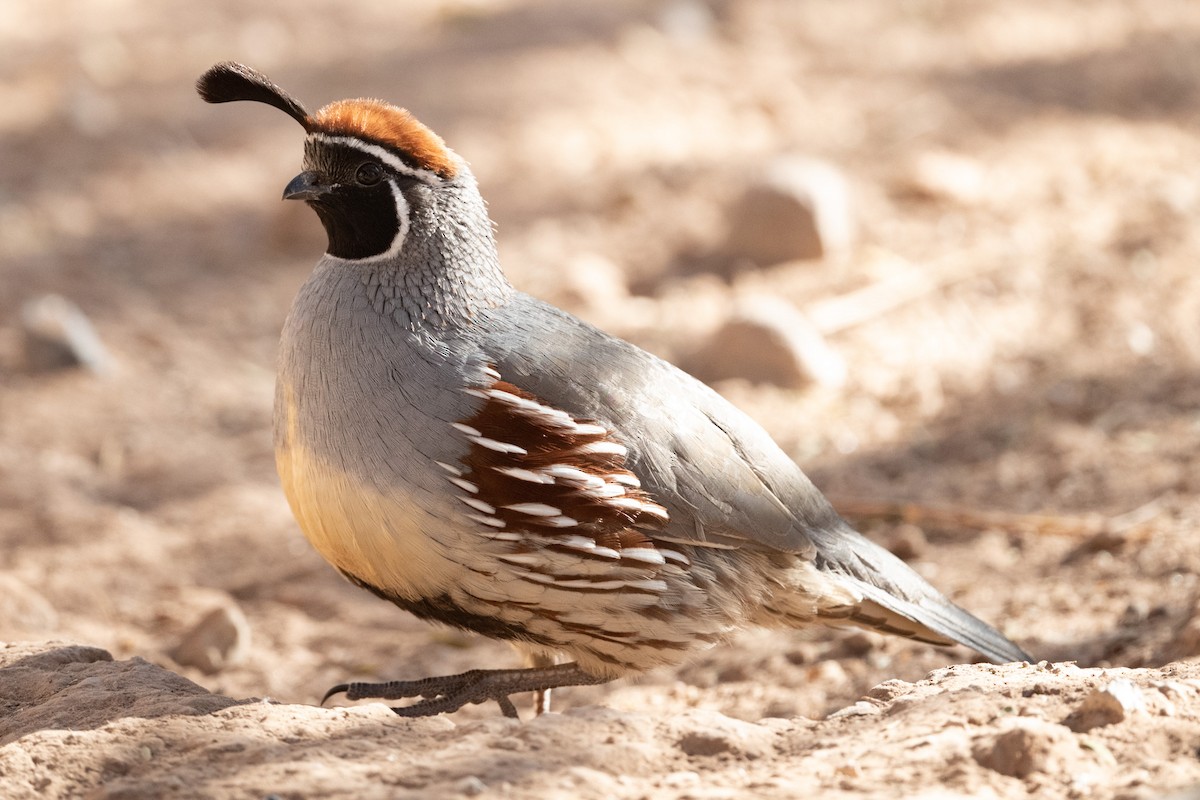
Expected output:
{"points": [[703, 732], [1028, 747], [80, 688], [1107, 705], [57, 335], [591, 281], [687, 21], [798, 209], [768, 340], [22, 607], [939, 175], [906, 542], [221, 639]]}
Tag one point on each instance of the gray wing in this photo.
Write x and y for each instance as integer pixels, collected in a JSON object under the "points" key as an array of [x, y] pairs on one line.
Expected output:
{"points": [[719, 474]]}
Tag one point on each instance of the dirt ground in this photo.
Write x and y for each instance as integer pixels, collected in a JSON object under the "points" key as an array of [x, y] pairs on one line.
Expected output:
{"points": [[1024, 430]]}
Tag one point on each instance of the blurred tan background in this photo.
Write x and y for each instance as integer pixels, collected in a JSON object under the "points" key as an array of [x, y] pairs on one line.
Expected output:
{"points": [[996, 310]]}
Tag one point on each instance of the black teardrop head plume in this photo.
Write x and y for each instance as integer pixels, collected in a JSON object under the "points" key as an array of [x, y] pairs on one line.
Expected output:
{"points": [[229, 81]]}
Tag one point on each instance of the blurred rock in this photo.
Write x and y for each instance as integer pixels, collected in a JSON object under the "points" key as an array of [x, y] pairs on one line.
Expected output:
{"points": [[471, 786], [704, 732], [57, 335], [857, 644], [906, 542], [220, 640], [1186, 642], [1106, 706], [52, 686], [940, 175], [592, 281], [21, 606], [687, 21], [767, 340], [1030, 746], [828, 673], [798, 209], [1104, 541]]}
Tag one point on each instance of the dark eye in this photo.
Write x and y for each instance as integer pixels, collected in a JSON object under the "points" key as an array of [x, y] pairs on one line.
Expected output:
{"points": [[369, 174]]}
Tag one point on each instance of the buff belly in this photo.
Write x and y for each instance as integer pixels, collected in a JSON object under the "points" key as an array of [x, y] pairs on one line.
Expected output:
{"points": [[380, 539]]}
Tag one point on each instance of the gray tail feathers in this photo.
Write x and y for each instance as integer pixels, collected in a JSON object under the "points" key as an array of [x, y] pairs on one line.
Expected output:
{"points": [[934, 620], [897, 600]]}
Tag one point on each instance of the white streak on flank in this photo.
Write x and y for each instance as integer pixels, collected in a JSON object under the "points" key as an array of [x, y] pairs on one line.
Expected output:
{"points": [[625, 479], [607, 552], [479, 505], [573, 474], [535, 509], [499, 447], [524, 559], [531, 406], [545, 414], [609, 448], [578, 583], [606, 491], [466, 486], [453, 470], [628, 503], [506, 536], [675, 558], [650, 585], [467, 429], [491, 373], [695, 543], [525, 475], [577, 543], [647, 555], [489, 521], [654, 509], [538, 577], [557, 522]]}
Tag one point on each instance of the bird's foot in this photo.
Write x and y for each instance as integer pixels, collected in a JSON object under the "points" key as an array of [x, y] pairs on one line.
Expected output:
{"points": [[447, 693]]}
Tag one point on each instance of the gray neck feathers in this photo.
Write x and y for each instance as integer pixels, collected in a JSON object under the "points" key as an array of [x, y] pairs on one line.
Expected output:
{"points": [[448, 270]]}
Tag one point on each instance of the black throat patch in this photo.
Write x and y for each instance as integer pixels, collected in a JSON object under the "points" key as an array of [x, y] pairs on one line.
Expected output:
{"points": [[360, 220]]}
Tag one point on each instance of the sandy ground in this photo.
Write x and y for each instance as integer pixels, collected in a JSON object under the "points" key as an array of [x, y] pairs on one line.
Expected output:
{"points": [[1024, 430]]}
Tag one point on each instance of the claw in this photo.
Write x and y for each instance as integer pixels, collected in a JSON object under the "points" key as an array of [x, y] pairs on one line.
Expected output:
{"points": [[341, 687], [506, 707]]}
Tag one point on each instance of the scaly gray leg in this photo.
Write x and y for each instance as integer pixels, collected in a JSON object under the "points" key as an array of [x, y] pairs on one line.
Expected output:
{"points": [[451, 692]]}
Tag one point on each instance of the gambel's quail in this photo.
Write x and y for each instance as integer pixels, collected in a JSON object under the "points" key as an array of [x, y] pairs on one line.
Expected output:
{"points": [[487, 461]]}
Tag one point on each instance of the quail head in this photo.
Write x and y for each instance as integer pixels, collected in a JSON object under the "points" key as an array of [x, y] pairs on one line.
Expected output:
{"points": [[487, 461]]}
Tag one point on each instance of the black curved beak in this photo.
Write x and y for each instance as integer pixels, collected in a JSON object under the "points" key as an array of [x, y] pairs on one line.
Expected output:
{"points": [[305, 186]]}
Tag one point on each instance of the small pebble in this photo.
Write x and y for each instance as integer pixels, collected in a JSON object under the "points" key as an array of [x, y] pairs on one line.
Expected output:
{"points": [[220, 640], [471, 786], [709, 733], [1106, 706], [907, 542], [1030, 746], [798, 209], [58, 335], [946, 176], [768, 340]]}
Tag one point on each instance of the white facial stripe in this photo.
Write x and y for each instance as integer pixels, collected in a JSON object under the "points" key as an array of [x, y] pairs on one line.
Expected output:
{"points": [[423, 175], [375, 151], [401, 234]]}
